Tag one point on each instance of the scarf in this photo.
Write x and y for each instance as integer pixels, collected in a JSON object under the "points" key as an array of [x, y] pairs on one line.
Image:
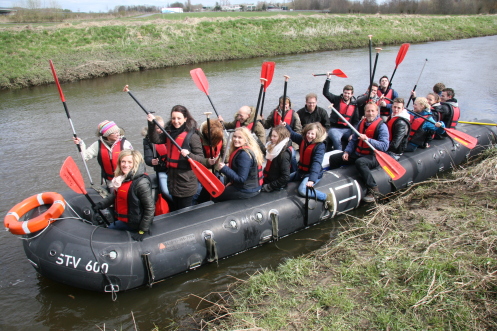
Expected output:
{"points": [[270, 155]]}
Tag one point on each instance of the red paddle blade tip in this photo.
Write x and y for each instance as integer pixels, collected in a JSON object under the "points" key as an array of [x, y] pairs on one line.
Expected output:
{"points": [[402, 53], [200, 80], [267, 72]]}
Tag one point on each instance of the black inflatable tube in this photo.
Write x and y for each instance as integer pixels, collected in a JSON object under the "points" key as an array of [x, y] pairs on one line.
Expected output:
{"points": [[80, 254]]}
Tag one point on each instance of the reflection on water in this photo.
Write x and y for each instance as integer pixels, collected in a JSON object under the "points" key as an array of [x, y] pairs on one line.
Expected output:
{"points": [[35, 138]]}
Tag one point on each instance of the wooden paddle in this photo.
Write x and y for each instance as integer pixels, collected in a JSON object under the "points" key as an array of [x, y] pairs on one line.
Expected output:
{"points": [[70, 174], [336, 72], [63, 99], [393, 168], [370, 59], [461, 137], [208, 180], [416, 85]]}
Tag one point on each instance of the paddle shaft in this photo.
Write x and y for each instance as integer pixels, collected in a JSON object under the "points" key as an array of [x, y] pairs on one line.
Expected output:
{"points": [[416, 85], [209, 134], [352, 127], [477, 123], [63, 99], [372, 75], [258, 103], [370, 58], [283, 110]]}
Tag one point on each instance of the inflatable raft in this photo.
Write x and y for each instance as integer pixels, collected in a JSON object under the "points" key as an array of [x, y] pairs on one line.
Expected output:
{"points": [[75, 251]]}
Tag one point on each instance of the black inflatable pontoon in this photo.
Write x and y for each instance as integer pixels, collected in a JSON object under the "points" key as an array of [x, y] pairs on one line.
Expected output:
{"points": [[78, 253]]}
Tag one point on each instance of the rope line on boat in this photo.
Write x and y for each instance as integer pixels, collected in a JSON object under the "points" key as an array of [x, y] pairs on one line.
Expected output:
{"points": [[112, 289]]}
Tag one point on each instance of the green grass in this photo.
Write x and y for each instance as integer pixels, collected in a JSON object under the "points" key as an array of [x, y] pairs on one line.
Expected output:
{"points": [[91, 49]]}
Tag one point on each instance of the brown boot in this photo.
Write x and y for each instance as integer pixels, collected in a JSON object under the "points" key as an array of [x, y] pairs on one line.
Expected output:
{"points": [[372, 194]]}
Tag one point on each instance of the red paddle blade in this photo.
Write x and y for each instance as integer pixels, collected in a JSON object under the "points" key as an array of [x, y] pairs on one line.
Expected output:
{"points": [[267, 72], [402, 54], [390, 165], [339, 73], [208, 180], [462, 138], [70, 174], [200, 80], [56, 79]]}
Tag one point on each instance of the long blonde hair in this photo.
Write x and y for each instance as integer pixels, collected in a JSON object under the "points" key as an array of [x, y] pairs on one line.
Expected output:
{"points": [[251, 143], [137, 161], [423, 102]]}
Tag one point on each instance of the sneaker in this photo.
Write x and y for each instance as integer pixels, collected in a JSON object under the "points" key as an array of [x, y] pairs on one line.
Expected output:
{"points": [[328, 203]]}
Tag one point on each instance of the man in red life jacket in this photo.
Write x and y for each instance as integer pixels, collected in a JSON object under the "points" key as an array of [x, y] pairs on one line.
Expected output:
{"points": [[375, 131], [398, 127], [365, 98], [311, 113], [246, 117], [346, 105], [387, 94], [449, 110]]}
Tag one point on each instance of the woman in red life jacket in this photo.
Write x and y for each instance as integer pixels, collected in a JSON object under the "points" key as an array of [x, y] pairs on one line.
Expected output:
{"points": [[106, 149], [310, 170], [291, 117], [181, 180], [155, 156], [134, 205], [214, 146], [244, 170], [278, 159]]}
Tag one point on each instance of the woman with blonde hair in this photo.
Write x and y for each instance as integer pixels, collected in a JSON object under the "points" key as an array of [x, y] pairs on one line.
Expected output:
{"points": [[423, 127], [134, 205], [244, 169], [278, 159]]}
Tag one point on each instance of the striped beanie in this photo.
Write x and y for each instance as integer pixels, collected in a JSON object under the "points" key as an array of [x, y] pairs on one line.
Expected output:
{"points": [[107, 128]]}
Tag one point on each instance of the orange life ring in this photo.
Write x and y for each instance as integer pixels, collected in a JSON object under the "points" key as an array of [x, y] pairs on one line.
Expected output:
{"points": [[11, 221]]}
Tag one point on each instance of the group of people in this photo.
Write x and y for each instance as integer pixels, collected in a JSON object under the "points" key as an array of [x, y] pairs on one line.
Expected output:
{"points": [[382, 120], [247, 164]]}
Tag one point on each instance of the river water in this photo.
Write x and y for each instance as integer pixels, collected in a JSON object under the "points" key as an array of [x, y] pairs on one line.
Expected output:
{"points": [[35, 118]]}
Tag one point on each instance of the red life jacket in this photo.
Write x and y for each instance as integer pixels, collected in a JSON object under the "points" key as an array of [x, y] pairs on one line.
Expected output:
{"points": [[417, 135], [371, 132], [391, 122], [306, 155], [161, 151], [121, 202], [108, 160], [347, 111], [288, 118], [455, 114], [255, 177], [216, 150], [174, 158], [238, 124], [384, 111]]}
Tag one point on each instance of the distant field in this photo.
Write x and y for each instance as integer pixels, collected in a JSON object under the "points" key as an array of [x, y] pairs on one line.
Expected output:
{"points": [[84, 49]]}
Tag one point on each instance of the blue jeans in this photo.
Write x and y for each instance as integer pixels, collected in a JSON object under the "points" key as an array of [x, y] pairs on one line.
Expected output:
{"points": [[302, 187], [336, 135], [119, 225]]}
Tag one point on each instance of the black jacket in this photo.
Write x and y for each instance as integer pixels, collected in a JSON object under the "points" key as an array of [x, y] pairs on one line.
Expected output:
{"points": [[335, 100], [279, 171], [399, 134], [318, 115], [149, 153], [141, 205]]}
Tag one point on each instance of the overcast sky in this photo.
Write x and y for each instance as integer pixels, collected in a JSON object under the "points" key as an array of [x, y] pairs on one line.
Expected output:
{"points": [[106, 5]]}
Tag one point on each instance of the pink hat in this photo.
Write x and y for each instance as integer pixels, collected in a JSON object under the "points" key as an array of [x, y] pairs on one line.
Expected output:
{"points": [[107, 128]]}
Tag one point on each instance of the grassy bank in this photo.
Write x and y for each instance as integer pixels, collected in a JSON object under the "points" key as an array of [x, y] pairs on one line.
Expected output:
{"points": [[425, 261], [83, 50]]}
